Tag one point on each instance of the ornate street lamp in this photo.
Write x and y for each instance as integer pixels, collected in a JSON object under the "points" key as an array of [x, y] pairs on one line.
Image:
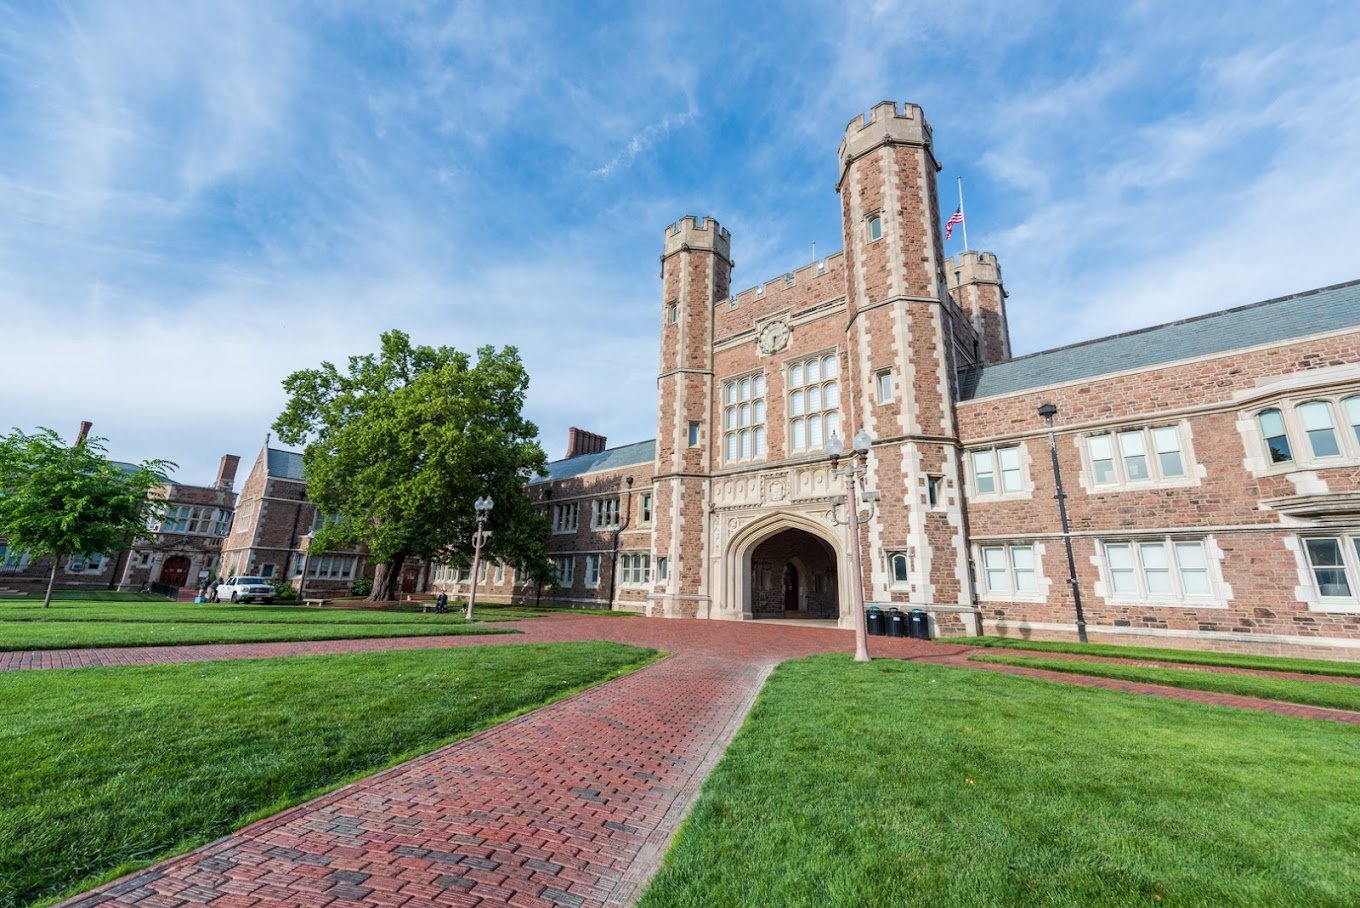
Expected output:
{"points": [[1048, 411], [483, 507], [854, 471]]}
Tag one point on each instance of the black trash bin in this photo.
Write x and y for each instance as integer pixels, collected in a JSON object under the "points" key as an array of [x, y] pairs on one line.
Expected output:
{"points": [[873, 620], [897, 623], [920, 624]]}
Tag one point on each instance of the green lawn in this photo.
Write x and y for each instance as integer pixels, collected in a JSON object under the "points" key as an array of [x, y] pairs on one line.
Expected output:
{"points": [[900, 784], [25, 624], [1187, 657], [1334, 694], [105, 769]]}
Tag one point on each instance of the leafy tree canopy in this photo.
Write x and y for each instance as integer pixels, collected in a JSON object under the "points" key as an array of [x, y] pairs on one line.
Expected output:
{"points": [[57, 500], [402, 443]]}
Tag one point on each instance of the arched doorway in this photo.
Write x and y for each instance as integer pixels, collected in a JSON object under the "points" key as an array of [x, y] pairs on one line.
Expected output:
{"points": [[175, 571], [793, 575]]}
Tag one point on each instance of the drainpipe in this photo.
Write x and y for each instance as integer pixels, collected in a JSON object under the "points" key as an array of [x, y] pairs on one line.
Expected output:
{"points": [[614, 555]]}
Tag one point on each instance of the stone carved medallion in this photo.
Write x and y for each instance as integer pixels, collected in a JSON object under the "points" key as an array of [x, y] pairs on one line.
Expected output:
{"points": [[774, 337], [776, 491]]}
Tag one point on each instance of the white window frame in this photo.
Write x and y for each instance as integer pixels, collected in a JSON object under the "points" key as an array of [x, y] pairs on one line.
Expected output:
{"points": [[1010, 567], [645, 509], [635, 568], [663, 568], [672, 312], [499, 577], [606, 513], [1350, 565], [869, 222], [883, 385], [92, 563], [564, 570], [800, 416], [743, 418], [1150, 437], [996, 457], [1342, 409], [593, 571], [1175, 569], [566, 517]]}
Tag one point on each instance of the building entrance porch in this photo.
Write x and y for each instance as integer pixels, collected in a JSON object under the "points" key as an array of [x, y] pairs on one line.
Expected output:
{"points": [[793, 576]]}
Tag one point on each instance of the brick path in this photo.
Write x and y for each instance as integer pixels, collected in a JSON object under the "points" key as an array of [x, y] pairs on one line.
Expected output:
{"points": [[572, 804]]}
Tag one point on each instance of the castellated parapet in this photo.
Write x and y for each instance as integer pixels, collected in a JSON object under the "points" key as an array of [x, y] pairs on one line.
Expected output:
{"points": [[692, 232], [972, 268], [885, 124]]}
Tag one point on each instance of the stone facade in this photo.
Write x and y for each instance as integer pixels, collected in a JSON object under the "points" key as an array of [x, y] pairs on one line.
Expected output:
{"points": [[181, 549], [271, 533], [1185, 529]]}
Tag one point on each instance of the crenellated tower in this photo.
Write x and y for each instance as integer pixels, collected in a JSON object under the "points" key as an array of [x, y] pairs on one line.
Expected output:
{"points": [[975, 280], [903, 332], [696, 272]]}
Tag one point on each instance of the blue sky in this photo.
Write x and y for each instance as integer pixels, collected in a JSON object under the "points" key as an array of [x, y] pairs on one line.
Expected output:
{"points": [[198, 198]]}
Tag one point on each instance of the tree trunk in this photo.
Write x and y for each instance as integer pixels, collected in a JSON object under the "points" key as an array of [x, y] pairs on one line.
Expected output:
{"points": [[51, 580], [385, 580]]}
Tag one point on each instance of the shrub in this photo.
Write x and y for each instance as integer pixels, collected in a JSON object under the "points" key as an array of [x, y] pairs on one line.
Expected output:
{"points": [[283, 591], [362, 587]]}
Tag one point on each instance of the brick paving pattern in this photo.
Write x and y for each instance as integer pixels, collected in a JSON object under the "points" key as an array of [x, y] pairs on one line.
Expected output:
{"points": [[571, 805]]}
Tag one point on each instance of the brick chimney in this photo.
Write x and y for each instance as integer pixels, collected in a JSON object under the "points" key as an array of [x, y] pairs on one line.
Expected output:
{"points": [[226, 472], [579, 442]]}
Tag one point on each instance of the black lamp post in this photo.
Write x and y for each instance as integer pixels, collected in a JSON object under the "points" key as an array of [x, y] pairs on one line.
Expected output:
{"points": [[1048, 411]]}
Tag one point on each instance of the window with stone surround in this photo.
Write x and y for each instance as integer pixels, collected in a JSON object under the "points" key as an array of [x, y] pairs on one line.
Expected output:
{"points": [[564, 569], [645, 508], [814, 402], [1160, 571], [1009, 570], [332, 567], [663, 568], [635, 568], [874, 227], [899, 570], [592, 572], [672, 313], [12, 559], [1315, 432], [997, 471], [744, 418], [1133, 457], [566, 517], [606, 514]]}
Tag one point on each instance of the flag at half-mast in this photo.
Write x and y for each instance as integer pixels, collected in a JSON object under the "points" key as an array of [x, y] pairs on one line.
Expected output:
{"points": [[953, 222]]}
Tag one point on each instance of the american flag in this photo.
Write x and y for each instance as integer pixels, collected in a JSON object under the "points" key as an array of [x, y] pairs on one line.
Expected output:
{"points": [[950, 224]]}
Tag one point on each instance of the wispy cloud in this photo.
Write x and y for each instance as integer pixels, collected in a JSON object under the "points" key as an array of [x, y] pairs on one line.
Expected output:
{"points": [[651, 134], [197, 199]]}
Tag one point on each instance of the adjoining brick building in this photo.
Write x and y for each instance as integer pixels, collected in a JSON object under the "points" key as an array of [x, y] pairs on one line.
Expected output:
{"points": [[184, 547], [272, 531], [1212, 466]]}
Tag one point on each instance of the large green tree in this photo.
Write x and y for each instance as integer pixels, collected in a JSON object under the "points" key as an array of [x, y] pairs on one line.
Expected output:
{"points": [[402, 443], [58, 500]]}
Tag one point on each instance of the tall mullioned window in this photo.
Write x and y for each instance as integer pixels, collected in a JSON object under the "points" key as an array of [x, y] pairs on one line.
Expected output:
{"points": [[1158, 570], [814, 402], [744, 418], [997, 471], [566, 517]]}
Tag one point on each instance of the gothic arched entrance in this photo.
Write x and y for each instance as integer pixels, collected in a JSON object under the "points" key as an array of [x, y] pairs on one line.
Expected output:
{"points": [[793, 575]]}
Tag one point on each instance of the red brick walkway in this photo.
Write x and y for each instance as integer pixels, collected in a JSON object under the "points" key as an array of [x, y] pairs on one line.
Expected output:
{"points": [[570, 805]]}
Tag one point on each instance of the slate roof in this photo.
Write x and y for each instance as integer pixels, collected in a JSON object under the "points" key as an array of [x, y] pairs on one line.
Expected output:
{"points": [[1312, 312], [608, 459], [284, 464]]}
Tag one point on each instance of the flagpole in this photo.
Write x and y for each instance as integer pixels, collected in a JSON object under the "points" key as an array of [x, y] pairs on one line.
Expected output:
{"points": [[964, 225]]}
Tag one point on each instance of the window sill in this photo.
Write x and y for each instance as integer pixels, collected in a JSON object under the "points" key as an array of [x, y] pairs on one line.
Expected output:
{"points": [[1167, 603]]}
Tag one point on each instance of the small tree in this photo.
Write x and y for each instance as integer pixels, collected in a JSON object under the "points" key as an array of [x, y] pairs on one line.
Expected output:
{"points": [[58, 501], [400, 445]]}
